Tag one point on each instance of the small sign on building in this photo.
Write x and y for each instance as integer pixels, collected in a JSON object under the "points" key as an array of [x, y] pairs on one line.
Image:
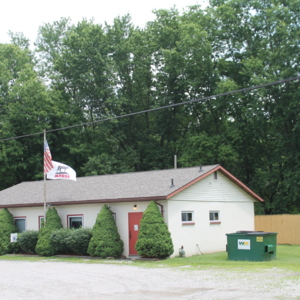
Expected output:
{"points": [[13, 237]]}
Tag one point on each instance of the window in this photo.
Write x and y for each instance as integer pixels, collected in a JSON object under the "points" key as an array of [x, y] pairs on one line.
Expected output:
{"points": [[41, 221], [75, 221], [20, 222], [214, 217], [187, 218]]}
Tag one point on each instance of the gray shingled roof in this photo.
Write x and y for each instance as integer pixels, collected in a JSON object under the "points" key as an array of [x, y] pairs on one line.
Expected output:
{"points": [[105, 188]]}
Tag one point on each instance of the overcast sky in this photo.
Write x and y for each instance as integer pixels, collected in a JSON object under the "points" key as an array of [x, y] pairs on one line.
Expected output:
{"points": [[27, 15]]}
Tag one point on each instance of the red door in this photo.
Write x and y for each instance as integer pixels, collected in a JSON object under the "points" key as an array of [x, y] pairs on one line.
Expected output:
{"points": [[134, 220]]}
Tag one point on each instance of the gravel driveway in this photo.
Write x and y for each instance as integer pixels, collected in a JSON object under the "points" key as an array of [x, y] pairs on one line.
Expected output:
{"points": [[61, 280]]}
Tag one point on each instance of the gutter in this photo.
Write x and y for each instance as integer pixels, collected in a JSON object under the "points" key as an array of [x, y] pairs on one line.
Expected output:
{"points": [[72, 202], [161, 208]]}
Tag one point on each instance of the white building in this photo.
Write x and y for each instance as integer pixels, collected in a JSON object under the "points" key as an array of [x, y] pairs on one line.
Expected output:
{"points": [[199, 204]]}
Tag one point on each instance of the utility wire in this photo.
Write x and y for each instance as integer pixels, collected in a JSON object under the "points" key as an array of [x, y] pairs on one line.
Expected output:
{"points": [[159, 108]]}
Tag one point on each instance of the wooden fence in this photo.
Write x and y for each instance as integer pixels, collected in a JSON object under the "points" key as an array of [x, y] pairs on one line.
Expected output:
{"points": [[287, 227]]}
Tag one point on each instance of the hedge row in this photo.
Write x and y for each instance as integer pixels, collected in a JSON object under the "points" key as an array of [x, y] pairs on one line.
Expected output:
{"points": [[63, 241]]}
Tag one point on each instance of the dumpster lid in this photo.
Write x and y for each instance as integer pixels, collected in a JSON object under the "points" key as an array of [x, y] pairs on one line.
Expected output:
{"points": [[256, 232]]}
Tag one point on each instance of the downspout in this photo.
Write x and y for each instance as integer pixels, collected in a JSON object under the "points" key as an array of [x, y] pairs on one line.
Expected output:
{"points": [[161, 209]]}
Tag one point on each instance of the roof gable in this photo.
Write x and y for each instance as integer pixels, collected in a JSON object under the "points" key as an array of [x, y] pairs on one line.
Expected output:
{"points": [[224, 172], [213, 188]]}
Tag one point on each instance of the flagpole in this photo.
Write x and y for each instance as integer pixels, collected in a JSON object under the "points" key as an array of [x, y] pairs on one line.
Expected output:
{"points": [[44, 181], [61, 170]]}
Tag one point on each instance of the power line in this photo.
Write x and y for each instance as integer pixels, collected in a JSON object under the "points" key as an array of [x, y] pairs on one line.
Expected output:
{"points": [[159, 108]]}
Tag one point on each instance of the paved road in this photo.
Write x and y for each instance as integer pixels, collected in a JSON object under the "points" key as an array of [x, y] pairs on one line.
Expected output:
{"points": [[60, 280]]}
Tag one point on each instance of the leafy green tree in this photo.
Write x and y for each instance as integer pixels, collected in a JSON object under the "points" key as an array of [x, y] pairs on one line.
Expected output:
{"points": [[49, 45], [19, 40], [154, 239], [105, 164], [105, 241], [89, 79], [264, 124], [44, 245], [25, 107], [183, 71], [7, 226], [132, 56]]}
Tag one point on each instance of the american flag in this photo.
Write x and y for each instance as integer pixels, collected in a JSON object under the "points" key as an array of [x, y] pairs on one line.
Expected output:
{"points": [[48, 166]]}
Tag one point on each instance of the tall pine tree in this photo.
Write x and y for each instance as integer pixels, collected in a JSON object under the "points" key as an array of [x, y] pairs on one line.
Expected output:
{"points": [[105, 241], [7, 226], [154, 238], [44, 245]]}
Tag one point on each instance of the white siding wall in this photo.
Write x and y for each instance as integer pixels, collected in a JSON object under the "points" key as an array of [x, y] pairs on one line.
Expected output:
{"points": [[209, 237], [31, 213], [210, 189], [236, 213]]}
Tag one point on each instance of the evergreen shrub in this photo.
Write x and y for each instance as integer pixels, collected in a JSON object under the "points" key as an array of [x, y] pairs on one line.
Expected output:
{"points": [[44, 245], [58, 239], [15, 247], [27, 241], [7, 226], [105, 241], [79, 240], [154, 239], [71, 241]]}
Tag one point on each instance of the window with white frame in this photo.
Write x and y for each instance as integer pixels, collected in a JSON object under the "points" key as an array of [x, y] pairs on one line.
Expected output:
{"points": [[75, 221], [20, 223], [187, 217], [214, 216], [41, 221]]}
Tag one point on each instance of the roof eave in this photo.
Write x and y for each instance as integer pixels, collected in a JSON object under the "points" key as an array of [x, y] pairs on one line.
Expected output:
{"points": [[95, 201], [240, 184]]}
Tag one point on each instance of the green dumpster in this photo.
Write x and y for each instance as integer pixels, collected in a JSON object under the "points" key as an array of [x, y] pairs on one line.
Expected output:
{"points": [[251, 245]]}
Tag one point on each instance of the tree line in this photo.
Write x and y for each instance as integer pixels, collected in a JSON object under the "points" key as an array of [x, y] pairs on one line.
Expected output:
{"points": [[85, 72]]}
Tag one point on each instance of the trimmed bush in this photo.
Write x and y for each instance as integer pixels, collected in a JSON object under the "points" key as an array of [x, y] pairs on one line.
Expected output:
{"points": [[58, 239], [7, 226], [79, 240], [27, 241], [15, 247], [44, 245], [105, 241], [71, 241], [154, 239]]}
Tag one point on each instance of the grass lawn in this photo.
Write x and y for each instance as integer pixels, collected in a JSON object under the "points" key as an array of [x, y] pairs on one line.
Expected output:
{"points": [[288, 258]]}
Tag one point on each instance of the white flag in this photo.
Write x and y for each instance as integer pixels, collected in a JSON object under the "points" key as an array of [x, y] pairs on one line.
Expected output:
{"points": [[61, 171]]}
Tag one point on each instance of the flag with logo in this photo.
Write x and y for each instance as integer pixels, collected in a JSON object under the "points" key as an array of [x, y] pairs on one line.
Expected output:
{"points": [[61, 171], [48, 165]]}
